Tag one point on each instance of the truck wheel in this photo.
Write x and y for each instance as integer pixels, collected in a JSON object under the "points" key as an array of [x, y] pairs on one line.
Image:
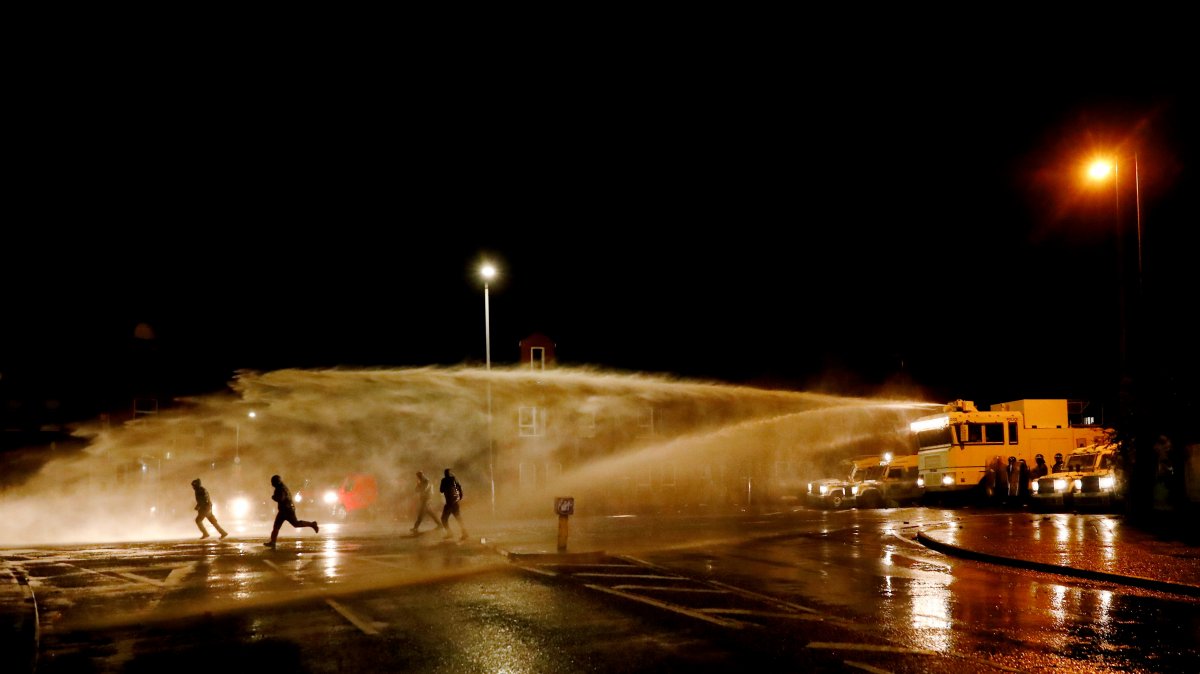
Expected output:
{"points": [[869, 500], [836, 500]]}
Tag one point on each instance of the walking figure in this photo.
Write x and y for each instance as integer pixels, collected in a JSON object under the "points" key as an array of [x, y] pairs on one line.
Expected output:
{"points": [[287, 511], [424, 491], [453, 492], [204, 510]]}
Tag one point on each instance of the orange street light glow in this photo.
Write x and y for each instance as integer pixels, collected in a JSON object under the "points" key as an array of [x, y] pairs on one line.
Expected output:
{"points": [[1099, 169]]}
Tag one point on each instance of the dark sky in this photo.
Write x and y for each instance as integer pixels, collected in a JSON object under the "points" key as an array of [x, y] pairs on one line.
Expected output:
{"points": [[779, 223]]}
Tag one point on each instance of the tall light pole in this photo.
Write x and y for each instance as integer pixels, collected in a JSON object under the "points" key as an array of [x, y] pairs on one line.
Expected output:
{"points": [[1100, 170], [1132, 404], [488, 272], [237, 445]]}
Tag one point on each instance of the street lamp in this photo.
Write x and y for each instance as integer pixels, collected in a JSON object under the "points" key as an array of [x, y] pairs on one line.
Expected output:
{"points": [[1130, 306], [1132, 404], [1099, 170], [237, 437], [237, 448], [488, 272]]}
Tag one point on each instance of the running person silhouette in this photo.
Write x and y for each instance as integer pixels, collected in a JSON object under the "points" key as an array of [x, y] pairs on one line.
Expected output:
{"points": [[204, 510], [453, 492], [287, 511]]}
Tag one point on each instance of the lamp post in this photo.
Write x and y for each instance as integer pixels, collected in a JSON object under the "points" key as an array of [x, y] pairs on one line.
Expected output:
{"points": [[1099, 170], [488, 272], [1132, 404], [237, 447]]}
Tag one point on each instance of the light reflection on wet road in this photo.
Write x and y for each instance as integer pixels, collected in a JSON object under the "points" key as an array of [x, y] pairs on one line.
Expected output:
{"points": [[864, 566], [356, 602]]}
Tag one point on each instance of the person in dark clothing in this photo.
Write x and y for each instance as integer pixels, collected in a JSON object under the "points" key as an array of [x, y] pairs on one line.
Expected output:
{"points": [[1013, 475], [453, 492], [1058, 466], [1040, 469], [424, 491], [204, 510], [287, 511], [1023, 485]]}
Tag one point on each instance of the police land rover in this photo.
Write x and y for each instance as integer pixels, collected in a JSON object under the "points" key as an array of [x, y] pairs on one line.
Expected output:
{"points": [[834, 493], [894, 482], [1091, 478]]}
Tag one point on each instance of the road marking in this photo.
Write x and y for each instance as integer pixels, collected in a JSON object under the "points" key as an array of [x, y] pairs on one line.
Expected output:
{"points": [[592, 566], [865, 667], [544, 572], [177, 574], [393, 565], [354, 618], [762, 614], [643, 576], [362, 624], [735, 624], [665, 588], [763, 598], [874, 648], [142, 579]]}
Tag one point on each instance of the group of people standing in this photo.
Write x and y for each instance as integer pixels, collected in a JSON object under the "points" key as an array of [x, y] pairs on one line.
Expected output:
{"points": [[450, 489], [1019, 475]]}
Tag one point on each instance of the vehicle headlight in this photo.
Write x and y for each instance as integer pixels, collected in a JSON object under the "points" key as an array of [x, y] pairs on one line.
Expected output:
{"points": [[920, 482], [1033, 486], [824, 489], [1078, 485], [1108, 482], [947, 479], [810, 487], [331, 497], [1060, 484], [240, 507], [854, 490], [299, 497]]}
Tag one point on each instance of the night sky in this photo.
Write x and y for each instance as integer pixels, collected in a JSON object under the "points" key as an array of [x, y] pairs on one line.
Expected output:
{"points": [[785, 226]]}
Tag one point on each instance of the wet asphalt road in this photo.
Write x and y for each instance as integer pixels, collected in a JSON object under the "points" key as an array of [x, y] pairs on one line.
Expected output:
{"points": [[805, 590]]}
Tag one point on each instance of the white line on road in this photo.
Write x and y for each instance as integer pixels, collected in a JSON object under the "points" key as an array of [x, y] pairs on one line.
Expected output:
{"points": [[736, 624], [876, 648], [354, 618], [644, 576], [665, 588], [865, 667]]}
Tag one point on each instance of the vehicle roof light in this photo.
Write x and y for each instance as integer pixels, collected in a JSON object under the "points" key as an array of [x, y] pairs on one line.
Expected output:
{"points": [[930, 424]]}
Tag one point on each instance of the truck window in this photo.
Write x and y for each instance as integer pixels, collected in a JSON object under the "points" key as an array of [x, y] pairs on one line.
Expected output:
{"points": [[937, 437], [1081, 463], [991, 433], [873, 473], [1012, 433], [974, 434], [895, 473]]}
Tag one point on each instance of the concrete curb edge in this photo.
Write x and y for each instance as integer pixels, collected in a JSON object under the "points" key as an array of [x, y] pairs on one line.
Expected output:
{"points": [[1136, 581]]}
